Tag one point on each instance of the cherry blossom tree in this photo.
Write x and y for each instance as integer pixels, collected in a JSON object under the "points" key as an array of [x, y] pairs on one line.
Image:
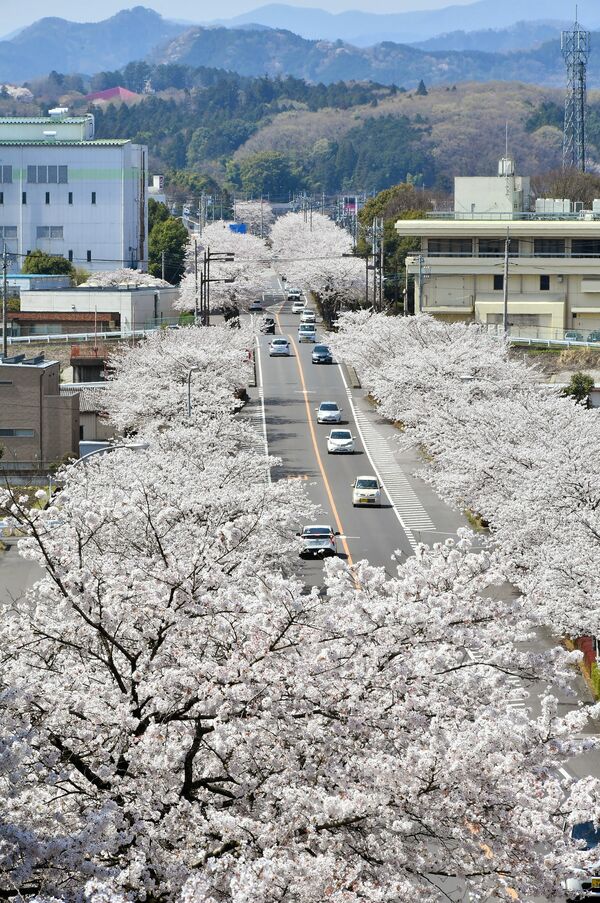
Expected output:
{"points": [[250, 269], [257, 215], [484, 421], [124, 276], [150, 387], [313, 251]]}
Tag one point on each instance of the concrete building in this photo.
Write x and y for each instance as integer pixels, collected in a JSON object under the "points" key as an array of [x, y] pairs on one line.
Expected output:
{"points": [[38, 426], [131, 307], [554, 261], [94, 425], [65, 192]]}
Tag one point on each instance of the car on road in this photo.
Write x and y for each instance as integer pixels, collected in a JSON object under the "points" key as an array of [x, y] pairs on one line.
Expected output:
{"points": [[366, 491], [329, 412], [255, 307], [321, 354], [307, 332], [308, 316], [594, 336], [294, 294], [573, 336], [298, 306], [318, 540], [267, 327], [279, 347], [586, 886], [340, 442]]}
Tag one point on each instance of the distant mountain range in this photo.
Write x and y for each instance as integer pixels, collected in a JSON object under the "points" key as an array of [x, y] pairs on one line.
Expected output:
{"points": [[526, 51], [274, 52], [68, 47], [364, 29]]}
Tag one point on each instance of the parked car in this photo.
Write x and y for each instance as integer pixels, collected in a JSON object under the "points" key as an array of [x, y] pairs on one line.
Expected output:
{"points": [[585, 886], [571, 335], [318, 540], [255, 307], [298, 306], [329, 412], [340, 442], [321, 354], [267, 327], [308, 316], [307, 332], [594, 336], [279, 347], [366, 491]]}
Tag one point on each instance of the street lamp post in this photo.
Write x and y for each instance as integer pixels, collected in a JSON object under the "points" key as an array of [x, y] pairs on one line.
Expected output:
{"points": [[132, 446]]}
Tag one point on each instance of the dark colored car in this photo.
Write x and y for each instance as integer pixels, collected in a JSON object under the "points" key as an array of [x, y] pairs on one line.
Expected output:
{"points": [[267, 327], [321, 354], [594, 336]]}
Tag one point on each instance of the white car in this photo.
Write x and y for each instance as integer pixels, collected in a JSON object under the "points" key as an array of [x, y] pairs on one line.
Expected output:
{"points": [[308, 316], [298, 306], [294, 293], [318, 540], [279, 347], [329, 412], [340, 442], [587, 885], [307, 332], [366, 491]]}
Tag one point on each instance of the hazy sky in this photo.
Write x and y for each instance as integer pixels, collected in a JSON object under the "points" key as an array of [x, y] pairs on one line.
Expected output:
{"points": [[16, 15]]}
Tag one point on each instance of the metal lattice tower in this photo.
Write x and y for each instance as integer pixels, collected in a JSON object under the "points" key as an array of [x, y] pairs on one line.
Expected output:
{"points": [[575, 47]]}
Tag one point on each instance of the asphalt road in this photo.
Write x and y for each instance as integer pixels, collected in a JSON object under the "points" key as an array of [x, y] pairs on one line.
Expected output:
{"points": [[293, 388]]}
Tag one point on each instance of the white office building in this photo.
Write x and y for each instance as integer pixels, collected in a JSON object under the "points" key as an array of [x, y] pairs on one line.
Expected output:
{"points": [[65, 192]]}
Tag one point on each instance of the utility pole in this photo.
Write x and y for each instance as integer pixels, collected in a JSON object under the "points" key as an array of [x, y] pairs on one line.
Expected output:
{"points": [[4, 303], [421, 282], [505, 284], [381, 257], [196, 281], [162, 264]]}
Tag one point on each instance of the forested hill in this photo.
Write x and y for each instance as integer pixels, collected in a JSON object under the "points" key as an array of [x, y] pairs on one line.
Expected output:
{"points": [[278, 52]]}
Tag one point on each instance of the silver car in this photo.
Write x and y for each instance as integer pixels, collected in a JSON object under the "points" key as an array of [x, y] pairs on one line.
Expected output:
{"points": [[318, 540], [329, 412], [279, 347]]}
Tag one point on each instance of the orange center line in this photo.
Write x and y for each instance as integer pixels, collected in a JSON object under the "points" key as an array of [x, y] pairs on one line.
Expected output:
{"points": [[313, 435]]}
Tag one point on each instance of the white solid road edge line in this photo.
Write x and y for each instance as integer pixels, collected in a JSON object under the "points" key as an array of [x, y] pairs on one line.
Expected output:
{"points": [[407, 530], [261, 395]]}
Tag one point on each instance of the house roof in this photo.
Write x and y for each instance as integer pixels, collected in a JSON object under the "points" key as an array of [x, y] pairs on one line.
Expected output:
{"points": [[118, 93], [91, 400]]}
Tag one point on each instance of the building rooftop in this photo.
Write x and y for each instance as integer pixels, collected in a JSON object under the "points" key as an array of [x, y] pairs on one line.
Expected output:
{"points": [[118, 93], [64, 142], [19, 360], [43, 120]]}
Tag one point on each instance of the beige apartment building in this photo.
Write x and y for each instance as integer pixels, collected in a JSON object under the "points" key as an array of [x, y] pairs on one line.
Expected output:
{"points": [[38, 426], [554, 260]]}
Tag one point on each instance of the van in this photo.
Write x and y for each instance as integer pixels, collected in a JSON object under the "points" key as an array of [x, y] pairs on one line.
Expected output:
{"points": [[307, 332]]}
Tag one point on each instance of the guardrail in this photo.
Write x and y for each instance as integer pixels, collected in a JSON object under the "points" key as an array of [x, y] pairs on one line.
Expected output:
{"points": [[68, 337]]}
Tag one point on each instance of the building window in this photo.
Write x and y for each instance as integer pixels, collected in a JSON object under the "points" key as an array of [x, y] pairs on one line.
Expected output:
{"points": [[495, 247], [89, 256], [499, 282], [549, 247], [70, 197], [6, 175], [450, 247], [47, 197], [16, 433], [544, 283], [24, 197], [1, 197], [6, 382], [8, 232], [585, 247], [50, 175], [93, 197], [70, 256], [49, 232]]}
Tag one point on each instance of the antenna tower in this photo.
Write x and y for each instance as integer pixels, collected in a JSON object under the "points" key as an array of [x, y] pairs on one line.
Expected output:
{"points": [[575, 47]]}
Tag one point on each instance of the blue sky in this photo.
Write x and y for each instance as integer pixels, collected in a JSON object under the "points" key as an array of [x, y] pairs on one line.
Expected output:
{"points": [[15, 15]]}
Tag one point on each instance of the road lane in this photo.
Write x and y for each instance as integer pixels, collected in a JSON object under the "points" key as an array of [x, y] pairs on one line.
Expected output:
{"points": [[292, 390]]}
